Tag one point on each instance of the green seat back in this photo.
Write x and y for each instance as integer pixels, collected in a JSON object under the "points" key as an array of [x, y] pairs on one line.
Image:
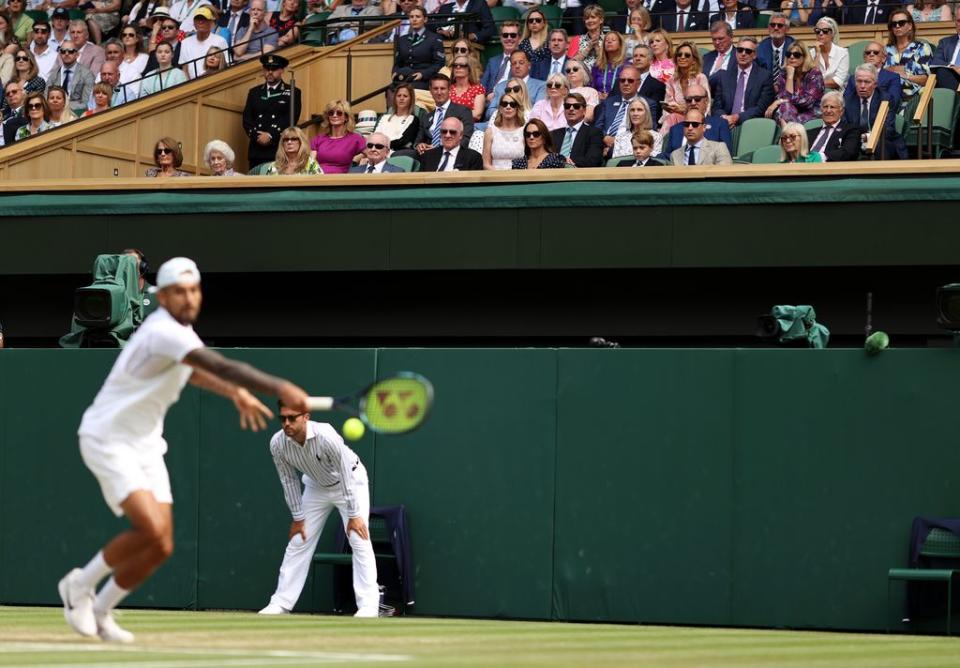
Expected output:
{"points": [[813, 124], [492, 50], [766, 155], [553, 13], [501, 14], [404, 162], [36, 14], [763, 19], [259, 169], [755, 133], [314, 32], [618, 7], [941, 543], [613, 162], [77, 15], [856, 53]]}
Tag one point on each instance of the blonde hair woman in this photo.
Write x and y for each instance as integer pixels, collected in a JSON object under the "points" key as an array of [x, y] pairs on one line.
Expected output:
{"points": [[536, 34], [638, 28], [550, 109], [587, 47], [662, 66], [336, 146], [832, 60], [639, 119], [293, 155], [503, 139], [60, 111], [798, 87], [518, 88], [689, 71], [606, 71], [578, 78], [465, 86], [793, 145]]}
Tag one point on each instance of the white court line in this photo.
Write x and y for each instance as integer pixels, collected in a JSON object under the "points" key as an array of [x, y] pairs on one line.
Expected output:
{"points": [[186, 663], [289, 656]]}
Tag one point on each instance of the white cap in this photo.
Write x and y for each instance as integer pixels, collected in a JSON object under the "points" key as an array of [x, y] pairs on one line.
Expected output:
{"points": [[177, 271]]}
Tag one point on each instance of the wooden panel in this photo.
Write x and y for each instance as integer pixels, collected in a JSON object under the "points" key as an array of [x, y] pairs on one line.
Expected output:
{"points": [[121, 138], [224, 125], [55, 164], [103, 166], [180, 126]]}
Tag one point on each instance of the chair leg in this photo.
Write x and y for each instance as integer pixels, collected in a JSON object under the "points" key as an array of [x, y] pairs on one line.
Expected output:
{"points": [[949, 602]]}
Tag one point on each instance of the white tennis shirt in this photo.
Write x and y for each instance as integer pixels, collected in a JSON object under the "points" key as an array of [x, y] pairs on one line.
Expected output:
{"points": [[145, 381]]}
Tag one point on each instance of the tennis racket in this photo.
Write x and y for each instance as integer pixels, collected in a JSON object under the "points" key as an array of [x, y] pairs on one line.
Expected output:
{"points": [[394, 405]]}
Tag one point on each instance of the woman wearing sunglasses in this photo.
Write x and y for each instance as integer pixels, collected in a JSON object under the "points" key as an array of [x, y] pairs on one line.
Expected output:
{"points": [[38, 116], [831, 59], [905, 55], [167, 156], [26, 72], [793, 145], [293, 156], [578, 78], [22, 24], [518, 88], [133, 60], [336, 146], [536, 33], [538, 149], [689, 72], [503, 139], [465, 86], [798, 86], [550, 109]]}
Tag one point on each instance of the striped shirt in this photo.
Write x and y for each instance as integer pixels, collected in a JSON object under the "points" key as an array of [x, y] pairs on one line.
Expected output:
{"points": [[323, 458]]}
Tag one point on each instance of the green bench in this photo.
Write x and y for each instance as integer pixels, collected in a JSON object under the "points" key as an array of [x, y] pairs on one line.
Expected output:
{"points": [[379, 536], [939, 543]]}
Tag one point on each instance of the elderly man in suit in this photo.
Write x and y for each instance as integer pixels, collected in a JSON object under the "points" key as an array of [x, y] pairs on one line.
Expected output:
{"points": [[747, 91], [451, 155], [519, 69], [77, 79], [716, 128], [579, 143], [347, 14], [15, 119], [430, 135], [699, 151], [610, 115], [722, 57], [836, 141], [91, 56], [378, 149], [772, 51], [479, 30], [888, 82], [863, 112], [947, 55]]}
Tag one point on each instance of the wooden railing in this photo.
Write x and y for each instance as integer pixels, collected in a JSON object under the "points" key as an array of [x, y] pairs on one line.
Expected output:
{"points": [[925, 108], [875, 142]]}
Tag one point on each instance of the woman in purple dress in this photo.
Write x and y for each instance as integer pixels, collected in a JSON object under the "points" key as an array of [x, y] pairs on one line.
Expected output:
{"points": [[799, 87], [336, 145]]}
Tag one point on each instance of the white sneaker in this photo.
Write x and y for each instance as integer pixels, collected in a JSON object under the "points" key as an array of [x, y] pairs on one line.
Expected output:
{"points": [[373, 612], [274, 609], [77, 604], [109, 631]]}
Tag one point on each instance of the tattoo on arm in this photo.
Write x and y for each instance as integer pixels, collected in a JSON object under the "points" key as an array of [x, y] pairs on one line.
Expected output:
{"points": [[233, 371]]}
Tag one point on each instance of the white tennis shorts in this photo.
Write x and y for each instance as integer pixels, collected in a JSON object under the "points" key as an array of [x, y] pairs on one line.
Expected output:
{"points": [[122, 469]]}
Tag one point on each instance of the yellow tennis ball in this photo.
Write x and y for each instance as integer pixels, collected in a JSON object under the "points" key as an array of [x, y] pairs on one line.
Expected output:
{"points": [[353, 429]]}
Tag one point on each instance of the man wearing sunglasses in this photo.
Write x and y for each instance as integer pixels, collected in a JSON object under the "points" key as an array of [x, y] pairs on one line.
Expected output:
{"points": [[715, 129], [579, 143], [498, 67], [947, 56], [267, 110], [697, 150], [164, 28], [479, 30], [611, 115], [43, 52], [772, 51], [76, 78], [747, 91], [377, 152], [16, 118], [888, 82], [450, 155]]}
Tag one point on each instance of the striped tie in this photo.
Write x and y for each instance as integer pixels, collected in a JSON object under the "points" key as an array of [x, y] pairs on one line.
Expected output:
{"points": [[437, 120], [618, 119]]}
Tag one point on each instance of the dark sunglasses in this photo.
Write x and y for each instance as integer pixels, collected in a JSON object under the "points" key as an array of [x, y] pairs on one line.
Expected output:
{"points": [[68, 51], [11, 92], [795, 54], [289, 418], [296, 139], [555, 84], [572, 105], [509, 35], [512, 89], [533, 134], [129, 34], [899, 24], [692, 124], [448, 131], [777, 25], [872, 52], [460, 65], [509, 103], [627, 80], [822, 31], [692, 99], [571, 69], [163, 151], [335, 112], [534, 19], [35, 105], [379, 147], [684, 55], [42, 31], [461, 49], [169, 27], [742, 50], [784, 138], [21, 59]]}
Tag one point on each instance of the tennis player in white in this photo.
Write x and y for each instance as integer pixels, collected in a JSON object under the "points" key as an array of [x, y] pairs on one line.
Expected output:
{"points": [[121, 442]]}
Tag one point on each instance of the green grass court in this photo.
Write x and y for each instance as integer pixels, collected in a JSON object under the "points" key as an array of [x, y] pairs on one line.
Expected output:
{"points": [[39, 637]]}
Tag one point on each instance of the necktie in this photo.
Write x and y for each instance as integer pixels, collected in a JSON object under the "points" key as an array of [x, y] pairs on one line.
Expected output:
{"points": [[681, 20], [618, 119], [370, 169], [555, 67], [502, 72], [738, 95], [66, 81], [717, 64], [567, 143], [692, 155], [871, 13], [232, 28], [777, 63], [356, 10], [956, 58], [864, 115], [443, 165], [822, 139], [437, 119]]}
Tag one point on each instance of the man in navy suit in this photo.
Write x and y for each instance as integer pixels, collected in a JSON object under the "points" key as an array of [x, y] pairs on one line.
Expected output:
{"points": [[888, 82], [747, 91], [479, 30], [611, 114], [722, 57], [429, 135], [378, 147], [867, 12], [837, 140], [650, 87], [683, 16], [772, 51], [498, 67], [580, 143], [864, 112], [740, 14], [519, 69], [451, 155], [556, 60], [947, 56], [718, 129]]}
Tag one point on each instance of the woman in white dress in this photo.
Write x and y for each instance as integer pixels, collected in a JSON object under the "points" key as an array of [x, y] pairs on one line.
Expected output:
{"points": [[503, 139], [832, 59], [638, 118]]}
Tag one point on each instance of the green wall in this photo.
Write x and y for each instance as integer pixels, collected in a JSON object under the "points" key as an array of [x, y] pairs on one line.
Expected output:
{"points": [[734, 487]]}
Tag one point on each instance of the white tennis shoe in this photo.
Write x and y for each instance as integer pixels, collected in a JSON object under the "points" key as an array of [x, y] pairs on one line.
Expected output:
{"points": [[373, 612], [274, 609], [77, 604], [110, 631]]}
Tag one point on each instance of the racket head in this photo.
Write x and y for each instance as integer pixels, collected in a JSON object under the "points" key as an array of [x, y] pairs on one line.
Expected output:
{"points": [[397, 405]]}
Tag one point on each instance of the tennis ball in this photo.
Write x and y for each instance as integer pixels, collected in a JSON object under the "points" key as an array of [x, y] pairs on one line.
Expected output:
{"points": [[353, 429], [877, 342]]}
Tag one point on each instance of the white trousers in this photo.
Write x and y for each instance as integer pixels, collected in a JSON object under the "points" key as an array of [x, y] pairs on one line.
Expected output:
{"points": [[317, 503]]}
